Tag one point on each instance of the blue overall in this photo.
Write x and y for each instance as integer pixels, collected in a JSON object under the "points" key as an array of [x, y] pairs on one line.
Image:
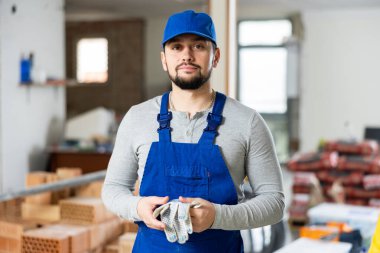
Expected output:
{"points": [[188, 170]]}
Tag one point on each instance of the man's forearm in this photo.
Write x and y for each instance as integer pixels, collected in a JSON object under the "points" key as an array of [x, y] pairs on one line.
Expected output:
{"points": [[262, 210]]}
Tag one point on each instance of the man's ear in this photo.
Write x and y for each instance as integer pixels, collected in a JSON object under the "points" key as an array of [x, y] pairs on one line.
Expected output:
{"points": [[163, 61], [216, 58]]}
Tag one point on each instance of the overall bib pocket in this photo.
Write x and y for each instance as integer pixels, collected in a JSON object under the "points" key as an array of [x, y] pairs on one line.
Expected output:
{"points": [[187, 181]]}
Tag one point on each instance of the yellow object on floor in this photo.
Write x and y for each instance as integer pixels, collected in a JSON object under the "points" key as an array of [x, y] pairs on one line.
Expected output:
{"points": [[375, 245]]}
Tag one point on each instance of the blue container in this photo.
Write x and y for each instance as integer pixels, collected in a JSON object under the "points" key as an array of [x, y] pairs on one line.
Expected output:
{"points": [[25, 68]]}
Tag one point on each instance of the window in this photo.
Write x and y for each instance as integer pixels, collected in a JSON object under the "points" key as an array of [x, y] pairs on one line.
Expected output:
{"points": [[270, 32], [262, 62], [263, 70], [92, 60], [263, 76]]}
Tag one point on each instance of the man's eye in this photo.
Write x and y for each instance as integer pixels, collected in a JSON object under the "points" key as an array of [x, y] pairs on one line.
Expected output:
{"points": [[199, 46], [175, 47]]}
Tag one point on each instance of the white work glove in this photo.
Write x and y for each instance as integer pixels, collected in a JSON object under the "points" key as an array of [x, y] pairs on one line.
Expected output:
{"points": [[176, 217]]}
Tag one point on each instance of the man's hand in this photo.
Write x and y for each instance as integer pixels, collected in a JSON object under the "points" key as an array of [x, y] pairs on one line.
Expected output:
{"points": [[203, 217], [145, 208]]}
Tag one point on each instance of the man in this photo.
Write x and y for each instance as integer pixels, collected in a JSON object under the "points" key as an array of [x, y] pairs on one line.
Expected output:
{"points": [[205, 145]]}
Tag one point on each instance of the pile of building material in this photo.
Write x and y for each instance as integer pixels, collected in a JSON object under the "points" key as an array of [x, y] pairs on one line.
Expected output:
{"points": [[347, 172], [72, 220]]}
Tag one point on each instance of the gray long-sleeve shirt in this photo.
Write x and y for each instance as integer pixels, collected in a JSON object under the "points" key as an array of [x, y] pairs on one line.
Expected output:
{"points": [[246, 146]]}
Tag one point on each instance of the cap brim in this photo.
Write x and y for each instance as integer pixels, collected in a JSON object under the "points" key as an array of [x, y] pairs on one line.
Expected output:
{"points": [[188, 32]]}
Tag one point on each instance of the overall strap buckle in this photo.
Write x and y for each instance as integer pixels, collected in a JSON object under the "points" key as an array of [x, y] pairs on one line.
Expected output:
{"points": [[164, 120], [213, 121]]}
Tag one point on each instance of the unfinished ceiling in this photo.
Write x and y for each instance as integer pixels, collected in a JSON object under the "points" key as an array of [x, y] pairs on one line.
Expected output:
{"points": [[111, 9], [114, 9]]}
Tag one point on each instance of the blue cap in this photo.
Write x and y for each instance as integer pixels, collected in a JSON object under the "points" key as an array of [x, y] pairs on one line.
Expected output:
{"points": [[189, 22]]}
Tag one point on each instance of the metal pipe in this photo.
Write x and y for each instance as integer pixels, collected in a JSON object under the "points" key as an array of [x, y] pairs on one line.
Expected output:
{"points": [[58, 185]]}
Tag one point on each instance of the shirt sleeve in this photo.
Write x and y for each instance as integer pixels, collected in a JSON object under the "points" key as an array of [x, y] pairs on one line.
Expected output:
{"points": [[122, 174], [266, 204]]}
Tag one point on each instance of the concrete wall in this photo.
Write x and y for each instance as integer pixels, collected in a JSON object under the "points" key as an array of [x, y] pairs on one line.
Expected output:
{"points": [[31, 118], [156, 79]]}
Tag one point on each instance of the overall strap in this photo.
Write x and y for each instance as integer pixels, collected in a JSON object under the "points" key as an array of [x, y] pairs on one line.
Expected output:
{"points": [[163, 119], [214, 119]]}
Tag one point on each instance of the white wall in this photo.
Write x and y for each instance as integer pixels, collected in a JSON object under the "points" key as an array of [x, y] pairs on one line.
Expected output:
{"points": [[156, 79], [30, 117], [340, 76], [219, 14]]}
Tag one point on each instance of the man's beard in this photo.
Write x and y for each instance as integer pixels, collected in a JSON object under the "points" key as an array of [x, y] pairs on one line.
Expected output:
{"points": [[192, 84]]}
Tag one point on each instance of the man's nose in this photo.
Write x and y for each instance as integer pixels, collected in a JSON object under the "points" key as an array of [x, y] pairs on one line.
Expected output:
{"points": [[187, 55]]}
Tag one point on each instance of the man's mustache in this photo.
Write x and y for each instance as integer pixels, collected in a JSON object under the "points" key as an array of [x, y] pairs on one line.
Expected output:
{"points": [[187, 64]]}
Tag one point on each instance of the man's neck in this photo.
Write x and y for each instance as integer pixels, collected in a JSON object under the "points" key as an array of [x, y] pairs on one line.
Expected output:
{"points": [[191, 101]]}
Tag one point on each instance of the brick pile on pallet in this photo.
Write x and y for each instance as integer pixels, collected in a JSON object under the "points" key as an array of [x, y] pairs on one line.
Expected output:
{"points": [[72, 238], [347, 172], [44, 206], [307, 193], [11, 230], [73, 220], [89, 213]]}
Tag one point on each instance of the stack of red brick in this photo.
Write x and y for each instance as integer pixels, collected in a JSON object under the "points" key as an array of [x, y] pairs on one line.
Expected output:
{"points": [[347, 172], [306, 193]]}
